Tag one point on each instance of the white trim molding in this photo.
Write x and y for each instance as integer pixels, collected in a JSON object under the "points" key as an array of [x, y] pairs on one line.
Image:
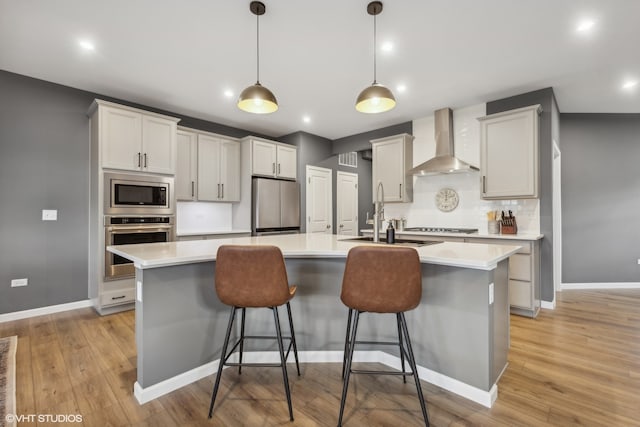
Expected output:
{"points": [[602, 286], [484, 398], [549, 305], [34, 312]]}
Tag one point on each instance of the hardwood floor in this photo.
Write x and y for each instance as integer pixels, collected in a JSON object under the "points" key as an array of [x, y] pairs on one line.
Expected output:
{"points": [[576, 365]]}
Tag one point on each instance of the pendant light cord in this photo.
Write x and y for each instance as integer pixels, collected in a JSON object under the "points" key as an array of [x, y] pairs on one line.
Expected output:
{"points": [[374, 47], [258, 48]]}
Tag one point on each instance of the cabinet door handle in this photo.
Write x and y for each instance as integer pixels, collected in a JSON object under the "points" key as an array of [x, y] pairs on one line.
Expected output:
{"points": [[341, 225], [400, 191], [139, 160], [273, 168], [218, 191], [328, 226], [193, 185], [145, 160], [222, 185], [278, 168], [484, 184], [120, 297]]}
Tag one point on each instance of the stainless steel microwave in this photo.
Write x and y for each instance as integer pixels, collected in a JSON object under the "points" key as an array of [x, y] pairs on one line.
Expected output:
{"points": [[128, 194]]}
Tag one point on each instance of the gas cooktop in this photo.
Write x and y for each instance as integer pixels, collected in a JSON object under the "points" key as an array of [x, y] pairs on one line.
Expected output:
{"points": [[442, 230]]}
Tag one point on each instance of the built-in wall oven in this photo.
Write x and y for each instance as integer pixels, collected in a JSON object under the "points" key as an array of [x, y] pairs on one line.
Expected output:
{"points": [[138, 209], [123, 230]]}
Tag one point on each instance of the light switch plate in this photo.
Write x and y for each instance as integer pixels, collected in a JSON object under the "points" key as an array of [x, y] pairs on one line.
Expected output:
{"points": [[19, 282], [49, 215]]}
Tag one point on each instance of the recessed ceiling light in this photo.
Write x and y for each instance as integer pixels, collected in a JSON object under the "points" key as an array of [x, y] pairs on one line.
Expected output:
{"points": [[401, 88], [585, 25], [228, 93], [87, 45], [306, 119], [629, 84], [387, 47]]}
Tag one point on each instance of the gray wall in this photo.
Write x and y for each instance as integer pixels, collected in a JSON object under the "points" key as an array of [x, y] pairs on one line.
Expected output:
{"points": [[44, 164], [548, 121], [600, 197], [315, 150]]}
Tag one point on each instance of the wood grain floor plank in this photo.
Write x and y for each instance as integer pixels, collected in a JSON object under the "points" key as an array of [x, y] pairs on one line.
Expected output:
{"points": [[576, 365]]}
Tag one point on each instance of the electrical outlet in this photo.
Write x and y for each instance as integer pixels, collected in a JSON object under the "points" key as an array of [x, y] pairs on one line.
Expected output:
{"points": [[49, 215], [19, 282]]}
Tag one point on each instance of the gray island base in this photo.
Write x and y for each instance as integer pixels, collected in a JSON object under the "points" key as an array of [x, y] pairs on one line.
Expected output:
{"points": [[460, 331]]}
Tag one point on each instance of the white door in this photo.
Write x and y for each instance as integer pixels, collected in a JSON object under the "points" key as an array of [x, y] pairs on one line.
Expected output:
{"points": [[347, 201], [319, 200]]}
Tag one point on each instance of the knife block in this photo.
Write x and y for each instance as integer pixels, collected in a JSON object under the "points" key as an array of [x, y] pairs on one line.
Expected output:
{"points": [[509, 226]]}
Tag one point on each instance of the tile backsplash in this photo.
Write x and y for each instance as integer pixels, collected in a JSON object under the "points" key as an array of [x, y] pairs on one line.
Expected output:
{"points": [[472, 209], [195, 217]]}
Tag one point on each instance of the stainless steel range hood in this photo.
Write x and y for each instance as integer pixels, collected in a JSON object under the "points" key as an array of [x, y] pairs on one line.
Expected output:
{"points": [[444, 161]]}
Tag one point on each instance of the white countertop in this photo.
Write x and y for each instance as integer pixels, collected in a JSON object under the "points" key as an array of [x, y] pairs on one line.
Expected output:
{"points": [[368, 231], [210, 232], [150, 255]]}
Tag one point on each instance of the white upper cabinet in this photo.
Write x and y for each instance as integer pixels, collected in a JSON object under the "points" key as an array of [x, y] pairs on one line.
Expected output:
{"points": [[158, 145], [263, 158], [187, 165], [132, 139], [287, 161], [392, 158], [208, 167], [273, 159], [509, 159]]}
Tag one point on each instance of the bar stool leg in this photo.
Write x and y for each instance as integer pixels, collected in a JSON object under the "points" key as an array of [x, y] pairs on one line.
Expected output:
{"points": [[244, 310], [412, 363], [293, 338], [283, 361], [404, 377], [346, 343], [223, 356], [352, 346]]}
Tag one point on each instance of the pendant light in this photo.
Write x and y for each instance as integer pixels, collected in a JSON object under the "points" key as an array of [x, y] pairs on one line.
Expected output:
{"points": [[376, 98], [257, 98]]}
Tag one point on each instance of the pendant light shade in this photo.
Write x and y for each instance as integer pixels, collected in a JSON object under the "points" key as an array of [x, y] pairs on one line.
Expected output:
{"points": [[256, 98], [376, 98]]}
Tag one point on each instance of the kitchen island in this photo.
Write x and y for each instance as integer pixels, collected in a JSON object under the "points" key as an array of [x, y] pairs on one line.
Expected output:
{"points": [[460, 331]]}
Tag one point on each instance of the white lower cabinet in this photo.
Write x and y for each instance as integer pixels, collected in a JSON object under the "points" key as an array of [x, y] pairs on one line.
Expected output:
{"points": [[524, 274], [524, 269]]}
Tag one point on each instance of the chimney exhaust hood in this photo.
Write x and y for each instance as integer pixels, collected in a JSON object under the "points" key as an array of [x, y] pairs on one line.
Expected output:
{"points": [[444, 161]]}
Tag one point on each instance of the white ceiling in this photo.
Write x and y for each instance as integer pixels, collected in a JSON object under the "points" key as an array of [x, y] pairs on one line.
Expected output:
{"points": [[317, 56]]}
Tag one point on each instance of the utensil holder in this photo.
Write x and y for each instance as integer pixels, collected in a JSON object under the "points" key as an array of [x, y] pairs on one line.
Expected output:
{"points": [[493, 227], [509, 226]]}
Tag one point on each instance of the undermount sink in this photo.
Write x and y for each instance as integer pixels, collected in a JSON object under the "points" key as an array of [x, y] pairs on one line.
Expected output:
{"points": [[398, 242]]}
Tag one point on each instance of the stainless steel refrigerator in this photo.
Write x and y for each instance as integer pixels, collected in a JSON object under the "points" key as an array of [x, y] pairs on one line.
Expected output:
{"points": [[275, 206]]}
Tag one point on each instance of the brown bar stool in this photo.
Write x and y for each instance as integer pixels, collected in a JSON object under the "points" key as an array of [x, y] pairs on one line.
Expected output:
{"points": [[247, 277], [381, 279]]}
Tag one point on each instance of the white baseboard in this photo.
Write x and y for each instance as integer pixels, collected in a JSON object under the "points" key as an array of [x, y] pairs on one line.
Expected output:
{"points": [[603, 286], [550, 305], [484, 398], [17, 315]]}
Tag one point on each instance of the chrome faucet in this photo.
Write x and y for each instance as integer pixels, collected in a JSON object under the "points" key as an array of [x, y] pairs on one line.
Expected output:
{"points": [[378, 213]]}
